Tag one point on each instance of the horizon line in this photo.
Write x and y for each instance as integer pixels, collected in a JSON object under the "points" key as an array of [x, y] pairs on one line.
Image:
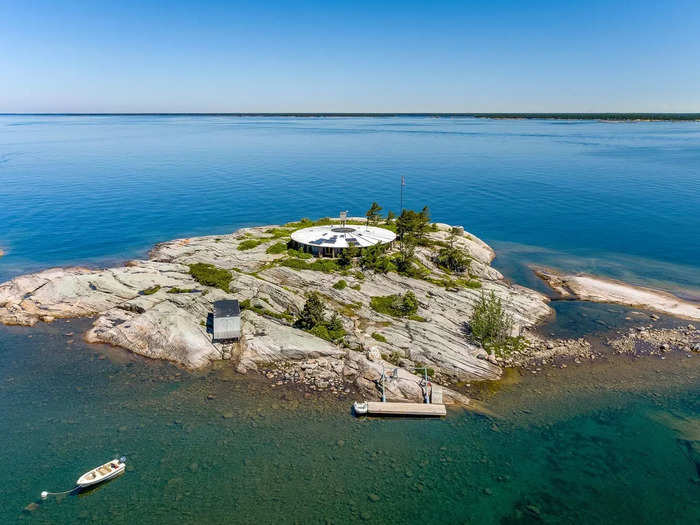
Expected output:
{"points": [[505, 115]]}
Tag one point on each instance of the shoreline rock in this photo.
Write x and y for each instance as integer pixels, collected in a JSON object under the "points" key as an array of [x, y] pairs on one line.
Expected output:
{"points": [[603, 290], [133, 309]]}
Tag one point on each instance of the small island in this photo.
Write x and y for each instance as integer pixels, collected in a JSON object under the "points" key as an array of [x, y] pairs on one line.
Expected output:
{"points": [[330, 304]]}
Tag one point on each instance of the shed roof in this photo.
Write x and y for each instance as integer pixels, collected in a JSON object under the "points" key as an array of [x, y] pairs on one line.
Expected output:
{"points": [[227, 308]]}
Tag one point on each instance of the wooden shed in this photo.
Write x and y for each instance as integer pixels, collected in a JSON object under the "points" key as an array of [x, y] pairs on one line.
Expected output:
{"points": [[227, 320]]}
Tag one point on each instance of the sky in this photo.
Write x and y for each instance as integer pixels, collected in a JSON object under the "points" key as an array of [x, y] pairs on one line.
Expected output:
{"points": [[326, 56]]}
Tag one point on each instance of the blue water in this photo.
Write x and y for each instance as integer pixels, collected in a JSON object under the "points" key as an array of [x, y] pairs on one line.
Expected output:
{"points": [[621, 199], [608, 443], [614, 441]]}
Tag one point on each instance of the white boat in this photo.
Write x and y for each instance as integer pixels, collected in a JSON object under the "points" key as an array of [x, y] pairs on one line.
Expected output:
{"points": [[102, 473]]}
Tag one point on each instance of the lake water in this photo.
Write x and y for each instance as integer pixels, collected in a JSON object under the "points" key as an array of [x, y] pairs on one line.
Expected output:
{"points": [[617, 441], [620, 199], [612, 442]]}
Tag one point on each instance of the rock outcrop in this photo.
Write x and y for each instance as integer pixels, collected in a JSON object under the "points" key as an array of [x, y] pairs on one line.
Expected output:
{"points": [[601, 290], [155, 308]]}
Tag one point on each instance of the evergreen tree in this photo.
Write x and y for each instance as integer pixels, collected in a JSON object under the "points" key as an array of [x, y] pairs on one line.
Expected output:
{"points": [[347, 256], [313, 313], [373, 214]]}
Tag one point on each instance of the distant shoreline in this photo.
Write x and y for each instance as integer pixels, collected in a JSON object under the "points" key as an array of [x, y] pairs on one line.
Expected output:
{"points": [[609, 117]]}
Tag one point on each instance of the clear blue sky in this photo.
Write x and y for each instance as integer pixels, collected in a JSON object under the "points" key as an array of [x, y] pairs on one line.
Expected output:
{"points": [[141, 56]]}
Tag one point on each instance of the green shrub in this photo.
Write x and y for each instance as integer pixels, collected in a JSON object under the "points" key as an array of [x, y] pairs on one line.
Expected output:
{"points": [[379, 337], [347, 256], [298, 254], [321, 331], [249, 244], [405, 305], [453, 259], [355, 287], [181, 290], [278, 247], [319, 265], [261, 310], [210, 275], [491, 325], [313, 312], [278, 233], [340, 285], [313, 320], [151, 290], [359, 275]]}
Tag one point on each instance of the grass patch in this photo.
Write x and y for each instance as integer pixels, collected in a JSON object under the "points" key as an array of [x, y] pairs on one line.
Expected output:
{"points": [[151, 290], [405, 305], [265, 312], [356, 287], [210, 275], [249, 244], [320, 265], [379, 337], [278, 247], [298, 254], [181, 290], [340, 285], [278, 233]]}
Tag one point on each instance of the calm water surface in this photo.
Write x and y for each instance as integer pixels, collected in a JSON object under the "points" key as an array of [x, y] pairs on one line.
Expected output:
{"points": [[612, 442], [607, 443], [622, 199]]}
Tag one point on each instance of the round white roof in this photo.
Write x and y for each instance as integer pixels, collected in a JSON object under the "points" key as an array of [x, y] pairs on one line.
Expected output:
{"points": [[338, 236]]}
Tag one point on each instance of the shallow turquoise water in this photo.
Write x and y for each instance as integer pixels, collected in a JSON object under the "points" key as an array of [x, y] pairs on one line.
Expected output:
{"points": [[618, 199], [600, 444]]}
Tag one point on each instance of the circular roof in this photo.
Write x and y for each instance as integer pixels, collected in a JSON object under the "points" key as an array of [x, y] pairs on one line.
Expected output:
{"points": [[337, 236]]}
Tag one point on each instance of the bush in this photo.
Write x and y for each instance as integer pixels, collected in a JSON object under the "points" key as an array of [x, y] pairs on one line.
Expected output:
{"points": [[278, 247], [405, 305], [298, 254], [340, 285], [313, 320], [359, 275], [150, 291], [181, 290], [490, 324], [210, 275], [355, 287], [313, 312], [379, 337], [321, 331], [261, 310], [347, 256], [249, 244], [320, 265], [453, 259], [278, 233]]}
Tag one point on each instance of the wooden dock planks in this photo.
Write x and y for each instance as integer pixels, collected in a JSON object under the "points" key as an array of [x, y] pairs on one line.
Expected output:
{"points": [[377, 408]]}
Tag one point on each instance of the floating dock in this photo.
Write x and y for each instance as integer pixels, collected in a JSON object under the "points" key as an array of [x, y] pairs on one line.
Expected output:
{"points": [[382, 408]]}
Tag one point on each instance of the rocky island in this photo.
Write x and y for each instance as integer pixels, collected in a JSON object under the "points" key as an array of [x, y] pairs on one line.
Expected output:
{"points": [[404, 307]]}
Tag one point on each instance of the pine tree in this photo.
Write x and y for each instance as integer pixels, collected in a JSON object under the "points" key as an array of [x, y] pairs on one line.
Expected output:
{"points": [[373, 214]]}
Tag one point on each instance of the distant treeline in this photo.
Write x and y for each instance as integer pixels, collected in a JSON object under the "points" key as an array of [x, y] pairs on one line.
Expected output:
{"points": [[554, 116]]}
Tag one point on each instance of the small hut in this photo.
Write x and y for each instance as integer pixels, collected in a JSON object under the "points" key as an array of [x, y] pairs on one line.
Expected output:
{"points": [[227, 320]]}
